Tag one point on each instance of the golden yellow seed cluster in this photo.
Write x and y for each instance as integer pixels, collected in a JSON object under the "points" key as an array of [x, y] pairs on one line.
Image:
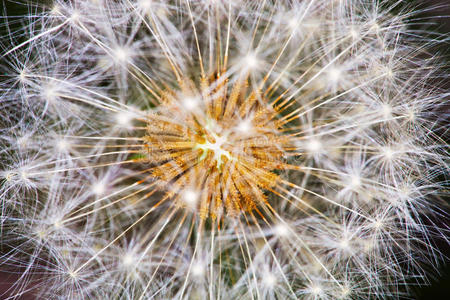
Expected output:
{"points": [[216, 147]]}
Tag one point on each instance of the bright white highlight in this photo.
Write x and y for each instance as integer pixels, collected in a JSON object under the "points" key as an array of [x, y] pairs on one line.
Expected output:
{"points": [[334, 74], [198, 269], [98, 188], [62, 145], [122, 55], [250, 61], [244, 126], [128, 260], [124, 119], [190, 103], [314, 146], [190, 197], [281, 230], [269, 280]]}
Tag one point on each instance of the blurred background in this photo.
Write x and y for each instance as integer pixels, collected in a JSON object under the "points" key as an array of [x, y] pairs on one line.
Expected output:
{"points": [[438, 12]]}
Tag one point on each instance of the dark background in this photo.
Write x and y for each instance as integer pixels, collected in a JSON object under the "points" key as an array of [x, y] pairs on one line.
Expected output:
{"points": [[436, 11]]}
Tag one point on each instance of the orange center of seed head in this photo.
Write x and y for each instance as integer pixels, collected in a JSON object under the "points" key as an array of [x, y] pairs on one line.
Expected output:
{"points": [[215, 147]]}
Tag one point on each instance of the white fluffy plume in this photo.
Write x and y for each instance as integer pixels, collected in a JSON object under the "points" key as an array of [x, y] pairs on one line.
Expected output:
{"points": [[220, 149]]}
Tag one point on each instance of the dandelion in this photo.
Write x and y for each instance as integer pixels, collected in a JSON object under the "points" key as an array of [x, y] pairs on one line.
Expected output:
{"points": [[220, 149]]}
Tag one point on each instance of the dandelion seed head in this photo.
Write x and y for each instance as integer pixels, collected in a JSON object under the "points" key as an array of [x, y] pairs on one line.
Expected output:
{"points": [[210, 138], [219, 149]]}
